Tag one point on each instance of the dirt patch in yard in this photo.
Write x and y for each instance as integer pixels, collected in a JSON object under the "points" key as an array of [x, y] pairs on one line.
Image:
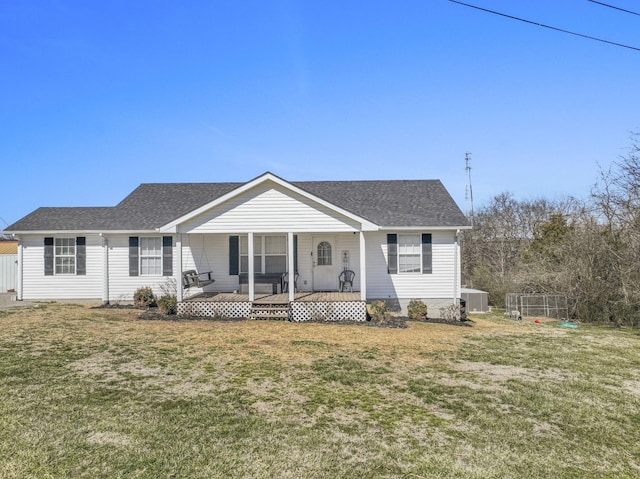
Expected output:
{"points": [[279, 339]]}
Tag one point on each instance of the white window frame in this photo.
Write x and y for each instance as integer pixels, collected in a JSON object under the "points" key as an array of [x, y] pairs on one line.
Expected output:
{"points": [[66, 253], [146, 257], [413, 249], [260, 252]]}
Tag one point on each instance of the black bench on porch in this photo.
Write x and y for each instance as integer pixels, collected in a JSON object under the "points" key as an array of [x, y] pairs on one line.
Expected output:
{"points": [[275, 279]]}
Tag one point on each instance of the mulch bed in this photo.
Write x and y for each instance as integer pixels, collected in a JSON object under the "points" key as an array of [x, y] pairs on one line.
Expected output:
{"points": [[398, 322]]}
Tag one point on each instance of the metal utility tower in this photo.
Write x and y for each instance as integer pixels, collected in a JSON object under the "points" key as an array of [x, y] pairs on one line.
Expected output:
{"points": [[469, 190]]}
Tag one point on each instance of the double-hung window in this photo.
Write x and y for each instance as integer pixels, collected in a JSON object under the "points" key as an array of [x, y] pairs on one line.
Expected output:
{"points": [[409, 253], [151, 256], [65, 255], [269, 254], [275, 254]]}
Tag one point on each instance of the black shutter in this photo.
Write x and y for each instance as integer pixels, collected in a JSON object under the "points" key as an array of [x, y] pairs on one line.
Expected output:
{"points": [[427, 255], [295, 253], [48, 256], [392, 253], [134, 254], [167, 256], [234, 255], [81, 256]]}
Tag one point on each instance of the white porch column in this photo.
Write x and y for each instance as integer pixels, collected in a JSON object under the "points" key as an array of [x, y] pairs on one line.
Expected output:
{"points": [[290, 267], [456, 269], [252, 293], [105, 269], [177, 274], [20, 268], [363, 267]]}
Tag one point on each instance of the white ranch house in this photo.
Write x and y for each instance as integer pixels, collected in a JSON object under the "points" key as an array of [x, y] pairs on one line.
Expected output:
{"points": [[399, 237]]}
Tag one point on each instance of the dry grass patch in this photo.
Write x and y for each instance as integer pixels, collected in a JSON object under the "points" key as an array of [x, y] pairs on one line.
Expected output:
{"points": [[100, 393]]}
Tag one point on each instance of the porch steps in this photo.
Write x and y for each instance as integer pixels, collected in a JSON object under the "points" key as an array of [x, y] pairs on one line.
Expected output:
{"points": [[269, 311]]}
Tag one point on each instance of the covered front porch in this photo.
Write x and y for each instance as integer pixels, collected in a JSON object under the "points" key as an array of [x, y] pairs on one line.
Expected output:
{"points": [[305, 306], [246, 267], [271, 250]]}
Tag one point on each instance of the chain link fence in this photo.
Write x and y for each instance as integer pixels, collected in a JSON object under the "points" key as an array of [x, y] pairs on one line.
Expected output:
{"points": [[554, 306]]}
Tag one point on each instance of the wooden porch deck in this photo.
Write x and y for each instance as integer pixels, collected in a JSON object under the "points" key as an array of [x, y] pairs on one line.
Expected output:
{"points": [[281, 298]]}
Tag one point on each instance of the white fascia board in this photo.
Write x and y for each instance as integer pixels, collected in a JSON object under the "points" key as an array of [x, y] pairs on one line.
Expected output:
{"points": [[366, 225], [424, 228], [81, 232]]}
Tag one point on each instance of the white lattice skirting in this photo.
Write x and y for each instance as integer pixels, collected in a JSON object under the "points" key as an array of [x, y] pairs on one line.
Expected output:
{"points": [[329, 311], [299, 311], [217, 309]]}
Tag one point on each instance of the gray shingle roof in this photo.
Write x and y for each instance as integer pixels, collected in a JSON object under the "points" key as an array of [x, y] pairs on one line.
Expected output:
{"points": [[66, 219], [390, 203]]}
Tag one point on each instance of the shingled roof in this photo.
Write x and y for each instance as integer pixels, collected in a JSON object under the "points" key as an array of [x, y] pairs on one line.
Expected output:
{"points": [[387, 203]]}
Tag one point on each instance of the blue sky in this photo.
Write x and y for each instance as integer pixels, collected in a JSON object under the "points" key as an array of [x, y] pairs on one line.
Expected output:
{"points": [[98, 97]]}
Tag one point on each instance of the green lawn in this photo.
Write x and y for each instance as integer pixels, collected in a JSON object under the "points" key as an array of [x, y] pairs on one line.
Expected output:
{"points": [[99, 393]]}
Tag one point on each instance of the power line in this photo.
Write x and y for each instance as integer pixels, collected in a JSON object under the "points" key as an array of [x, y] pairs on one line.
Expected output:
{"points": [[614, 7], [546, 26]]}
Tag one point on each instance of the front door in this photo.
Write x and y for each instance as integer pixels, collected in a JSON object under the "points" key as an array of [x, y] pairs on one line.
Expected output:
{"points": [[324, 264]]}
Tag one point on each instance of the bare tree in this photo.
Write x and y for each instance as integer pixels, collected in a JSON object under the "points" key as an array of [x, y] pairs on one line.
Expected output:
{"points": [[587, 250], [495, 250], [616, 200]]}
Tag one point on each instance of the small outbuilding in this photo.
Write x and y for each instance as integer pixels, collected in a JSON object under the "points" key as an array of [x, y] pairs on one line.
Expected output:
{"points": [[476, 301]]}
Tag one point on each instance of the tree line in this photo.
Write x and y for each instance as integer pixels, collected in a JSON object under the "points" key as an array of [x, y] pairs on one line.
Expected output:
{"points": [[587, 249]]}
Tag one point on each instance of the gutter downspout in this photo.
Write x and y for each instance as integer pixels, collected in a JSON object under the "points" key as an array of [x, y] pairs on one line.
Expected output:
{"points": [[456, 269], [19, 289], [105, 269]]}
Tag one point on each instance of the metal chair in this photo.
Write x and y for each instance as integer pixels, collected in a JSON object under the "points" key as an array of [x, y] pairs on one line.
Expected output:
{"points": [[346, 280], [285, 282]]}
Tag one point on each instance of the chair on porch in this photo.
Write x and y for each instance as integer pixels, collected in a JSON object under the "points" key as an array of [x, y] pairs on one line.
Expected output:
{"points": [[285, 282], [346, 280]]}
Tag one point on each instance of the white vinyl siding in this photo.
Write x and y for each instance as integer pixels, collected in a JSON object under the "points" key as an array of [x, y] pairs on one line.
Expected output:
{"points": [[266, 209], [36, 285], [209, 253], [439, 284], [121, 284]]}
